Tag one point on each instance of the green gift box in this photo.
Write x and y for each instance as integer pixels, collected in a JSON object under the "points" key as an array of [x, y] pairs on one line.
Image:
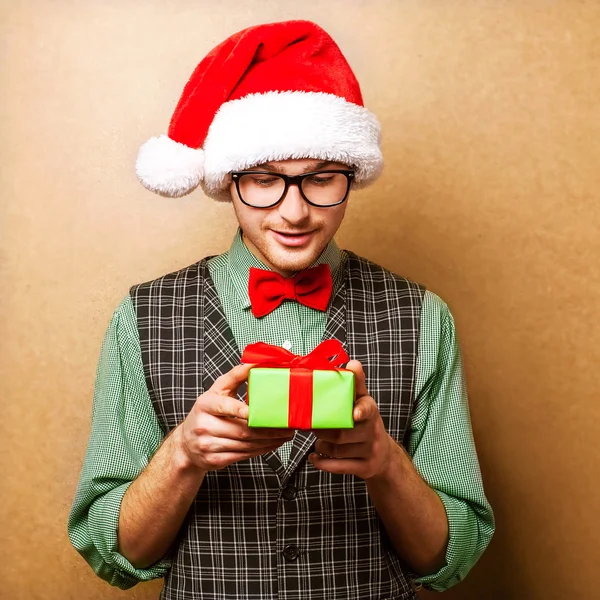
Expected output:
{"points": [[284, 391]]}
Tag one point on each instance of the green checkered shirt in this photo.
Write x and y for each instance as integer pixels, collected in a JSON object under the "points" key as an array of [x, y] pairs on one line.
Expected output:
{"points": [[125, 431]]}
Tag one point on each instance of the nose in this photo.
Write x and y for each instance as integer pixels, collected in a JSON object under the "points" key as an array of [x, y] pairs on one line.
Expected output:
{"points": [[293, 208]]}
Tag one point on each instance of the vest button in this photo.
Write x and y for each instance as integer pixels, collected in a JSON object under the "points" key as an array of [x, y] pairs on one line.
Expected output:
{"points": [[291, 553], [289, 492]]}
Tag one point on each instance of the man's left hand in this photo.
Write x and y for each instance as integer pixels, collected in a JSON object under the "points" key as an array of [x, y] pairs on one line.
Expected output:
{"points": [[365, 450]]}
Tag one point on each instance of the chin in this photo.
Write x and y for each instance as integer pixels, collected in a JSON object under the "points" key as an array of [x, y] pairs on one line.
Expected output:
{"points": [[294, 260], [291, 265]]}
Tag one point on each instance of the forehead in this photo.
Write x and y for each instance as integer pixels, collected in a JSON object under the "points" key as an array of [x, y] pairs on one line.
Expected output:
{"points": [[299, 165]]}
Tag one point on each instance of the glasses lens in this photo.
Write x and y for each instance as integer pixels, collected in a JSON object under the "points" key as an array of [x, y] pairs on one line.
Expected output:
{"points": [[261, 190], [325, 188]]}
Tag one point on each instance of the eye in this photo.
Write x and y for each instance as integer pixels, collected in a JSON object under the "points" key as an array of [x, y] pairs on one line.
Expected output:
{"points": [[264, 180], [316, 180]]}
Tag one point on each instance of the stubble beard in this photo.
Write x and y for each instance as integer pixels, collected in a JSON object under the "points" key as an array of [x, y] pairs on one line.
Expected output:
{"points": [[289, 260]]}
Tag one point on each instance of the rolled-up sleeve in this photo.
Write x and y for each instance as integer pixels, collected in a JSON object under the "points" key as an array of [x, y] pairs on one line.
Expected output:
{"points": [[125, 434], [442, 445]]}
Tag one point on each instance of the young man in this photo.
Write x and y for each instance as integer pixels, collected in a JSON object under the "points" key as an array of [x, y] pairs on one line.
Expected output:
{"points": [[175, 483]]}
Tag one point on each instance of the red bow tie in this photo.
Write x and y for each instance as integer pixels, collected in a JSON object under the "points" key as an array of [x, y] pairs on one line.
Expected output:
{"points": [[268, 289]]}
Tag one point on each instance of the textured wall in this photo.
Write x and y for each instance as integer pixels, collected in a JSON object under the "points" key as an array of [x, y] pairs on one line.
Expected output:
{"points": [[489, 197]]}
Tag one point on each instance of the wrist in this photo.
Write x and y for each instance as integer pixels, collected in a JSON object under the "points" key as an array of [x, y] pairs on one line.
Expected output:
{"points": [[393, 464], [180, 456]]}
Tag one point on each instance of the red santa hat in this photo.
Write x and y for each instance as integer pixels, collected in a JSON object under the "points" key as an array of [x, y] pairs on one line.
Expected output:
{"points": [[271, 92]]}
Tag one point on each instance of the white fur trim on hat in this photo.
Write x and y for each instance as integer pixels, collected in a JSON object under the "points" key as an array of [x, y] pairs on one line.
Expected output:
{"points": [[285, 125], [169, 168]]}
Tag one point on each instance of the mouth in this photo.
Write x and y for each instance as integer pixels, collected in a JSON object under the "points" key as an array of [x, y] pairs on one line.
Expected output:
{"points": [[292, 239]]}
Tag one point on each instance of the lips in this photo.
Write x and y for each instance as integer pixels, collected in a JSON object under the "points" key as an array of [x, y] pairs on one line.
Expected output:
{"points": [[294, 239]]}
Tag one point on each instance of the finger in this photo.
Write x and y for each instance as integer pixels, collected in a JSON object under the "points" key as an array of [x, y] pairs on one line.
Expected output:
{"points": [[231, 431], [343, 436], [364, 409], [237, 429], [228, 383], [215, 445], [267, 432], [360, 387], [339, 466], [223, 459], [357, 450], [222, 406]]}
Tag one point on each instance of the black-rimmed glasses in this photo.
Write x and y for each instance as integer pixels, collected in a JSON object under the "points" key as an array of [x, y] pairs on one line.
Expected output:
{"points": [[265, 189]]}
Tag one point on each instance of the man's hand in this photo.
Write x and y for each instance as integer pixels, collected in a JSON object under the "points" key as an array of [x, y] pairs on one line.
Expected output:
{"points": [[216, 434], [412, 513], [364, 451]]}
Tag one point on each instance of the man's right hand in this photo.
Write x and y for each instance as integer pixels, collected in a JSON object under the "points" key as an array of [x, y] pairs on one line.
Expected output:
{"points": [[213, 435], [216, 434]]}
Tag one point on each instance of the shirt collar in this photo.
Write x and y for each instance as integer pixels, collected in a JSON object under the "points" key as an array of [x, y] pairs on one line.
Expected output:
{"points": [[240, 259]]}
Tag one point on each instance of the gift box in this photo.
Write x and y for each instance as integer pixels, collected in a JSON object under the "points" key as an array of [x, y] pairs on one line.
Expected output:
{"points": [[299, 392]]}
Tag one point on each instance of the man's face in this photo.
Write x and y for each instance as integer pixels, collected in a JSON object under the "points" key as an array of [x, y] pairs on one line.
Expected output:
{"points": [[290, 236]]}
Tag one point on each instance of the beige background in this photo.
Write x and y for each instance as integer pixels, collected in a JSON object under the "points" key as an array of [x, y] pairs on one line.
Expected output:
{"points": [[489, 197]]}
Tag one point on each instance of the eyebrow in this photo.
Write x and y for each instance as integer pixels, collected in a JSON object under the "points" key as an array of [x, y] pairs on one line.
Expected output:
{"points": [[308, 169]]}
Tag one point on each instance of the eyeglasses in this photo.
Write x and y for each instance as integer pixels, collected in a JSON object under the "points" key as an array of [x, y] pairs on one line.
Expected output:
{"points": [[265, 189]]}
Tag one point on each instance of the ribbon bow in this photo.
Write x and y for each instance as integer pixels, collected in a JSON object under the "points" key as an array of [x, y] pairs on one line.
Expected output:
{"points": [[327, 356], [267, 289]]}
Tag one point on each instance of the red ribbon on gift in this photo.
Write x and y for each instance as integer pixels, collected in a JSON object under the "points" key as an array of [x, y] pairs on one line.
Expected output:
{"points": [[327, 356]]}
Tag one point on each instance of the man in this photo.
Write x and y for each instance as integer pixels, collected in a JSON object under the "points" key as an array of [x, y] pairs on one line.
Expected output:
{"points": [[175, 483]]}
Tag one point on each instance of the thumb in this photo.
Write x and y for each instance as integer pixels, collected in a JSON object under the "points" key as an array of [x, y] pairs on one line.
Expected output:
{"points": [[360, 387], [228, 383]]}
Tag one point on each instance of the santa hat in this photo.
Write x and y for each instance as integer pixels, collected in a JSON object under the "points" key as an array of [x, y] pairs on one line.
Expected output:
{"points": [[270, 92]]}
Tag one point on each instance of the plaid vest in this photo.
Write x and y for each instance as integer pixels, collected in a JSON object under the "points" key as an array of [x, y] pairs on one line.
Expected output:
{"points": [[258, 529]]}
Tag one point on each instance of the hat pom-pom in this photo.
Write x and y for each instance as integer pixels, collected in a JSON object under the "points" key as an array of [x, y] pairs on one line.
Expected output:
{"points": [[169, 168]]}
